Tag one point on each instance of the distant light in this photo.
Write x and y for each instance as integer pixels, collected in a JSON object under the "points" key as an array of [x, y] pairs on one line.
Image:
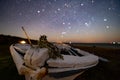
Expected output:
{"points": [[22, 42], [114, 42]]}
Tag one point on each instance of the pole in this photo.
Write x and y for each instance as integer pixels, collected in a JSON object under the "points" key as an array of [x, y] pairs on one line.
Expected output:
{"points": [[27, 36]]}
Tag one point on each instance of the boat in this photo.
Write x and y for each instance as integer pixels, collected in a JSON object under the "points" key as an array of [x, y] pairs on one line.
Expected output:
{"points": [[74, 63], [51, 61]]}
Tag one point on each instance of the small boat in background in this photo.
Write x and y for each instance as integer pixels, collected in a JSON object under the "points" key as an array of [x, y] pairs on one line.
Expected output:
{"points": [[36, 64]]}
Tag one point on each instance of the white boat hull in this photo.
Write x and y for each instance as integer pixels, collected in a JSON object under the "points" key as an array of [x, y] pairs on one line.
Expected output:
{"points": [[53, 73]]}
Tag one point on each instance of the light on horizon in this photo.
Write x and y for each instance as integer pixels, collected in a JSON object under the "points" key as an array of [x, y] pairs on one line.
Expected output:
{"points": [[22, 42]]}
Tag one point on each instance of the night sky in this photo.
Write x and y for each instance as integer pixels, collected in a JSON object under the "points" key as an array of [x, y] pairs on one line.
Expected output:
{"points": [[62, 20]]}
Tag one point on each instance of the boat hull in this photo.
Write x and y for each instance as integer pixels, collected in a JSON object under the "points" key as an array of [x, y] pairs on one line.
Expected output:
{"points": [[53, 73]]}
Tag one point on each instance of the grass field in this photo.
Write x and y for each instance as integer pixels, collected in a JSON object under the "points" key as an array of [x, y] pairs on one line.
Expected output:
{"points": [[103, 71]]}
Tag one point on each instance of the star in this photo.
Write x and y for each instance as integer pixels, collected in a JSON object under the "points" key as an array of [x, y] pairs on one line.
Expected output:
{"points": [[107, 27], [86, 24], [66, 5], [63, 23], [69, 23], [82, 4], [38, 11], [109, 8], [92, 1], [58, 9], [105, 19]]}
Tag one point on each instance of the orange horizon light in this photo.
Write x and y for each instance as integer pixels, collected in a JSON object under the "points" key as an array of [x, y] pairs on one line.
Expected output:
{"points": [[22, 42]]}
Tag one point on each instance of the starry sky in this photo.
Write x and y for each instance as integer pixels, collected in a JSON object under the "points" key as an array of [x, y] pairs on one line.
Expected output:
{"points": [[62, 20]]}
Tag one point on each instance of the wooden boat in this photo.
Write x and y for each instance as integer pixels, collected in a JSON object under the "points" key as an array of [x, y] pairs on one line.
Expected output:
{"points": [[74, 62]]}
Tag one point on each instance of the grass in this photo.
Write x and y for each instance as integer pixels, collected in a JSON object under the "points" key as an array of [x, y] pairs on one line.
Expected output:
{"points": [[103, 71]]}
